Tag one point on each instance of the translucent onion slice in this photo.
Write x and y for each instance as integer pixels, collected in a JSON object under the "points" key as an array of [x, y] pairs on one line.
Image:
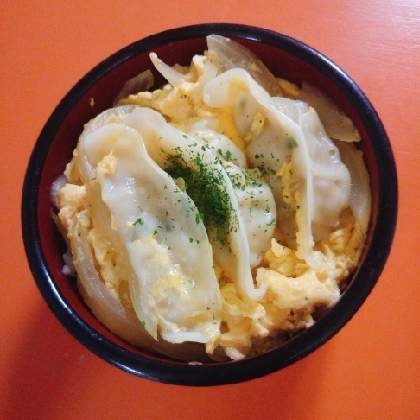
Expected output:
{"points": [[360, 193], [114, 115], [337, 125], [139, 83], [174, 77], [227, 54], [59, 183]]}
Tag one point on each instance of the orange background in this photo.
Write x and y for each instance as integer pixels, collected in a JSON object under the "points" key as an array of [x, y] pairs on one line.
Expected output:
{"points": [[370, 370]]}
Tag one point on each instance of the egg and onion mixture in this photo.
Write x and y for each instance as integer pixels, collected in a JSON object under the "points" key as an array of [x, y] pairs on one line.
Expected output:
{"points": [[217, 208]]}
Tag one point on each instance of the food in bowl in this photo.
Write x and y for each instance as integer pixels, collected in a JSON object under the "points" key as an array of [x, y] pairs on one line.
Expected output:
{"points": [[218, 215]]}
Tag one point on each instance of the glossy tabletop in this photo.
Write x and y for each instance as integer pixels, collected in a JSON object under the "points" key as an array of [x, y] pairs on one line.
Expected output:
{"points": [[369, 370]]}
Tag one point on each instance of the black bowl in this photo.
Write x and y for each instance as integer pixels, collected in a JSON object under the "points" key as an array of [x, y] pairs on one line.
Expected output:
{"points": [[285, 57]]}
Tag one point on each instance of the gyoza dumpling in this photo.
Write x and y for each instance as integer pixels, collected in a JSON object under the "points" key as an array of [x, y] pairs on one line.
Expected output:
{"points": [[155, 225], [331, 178], [206, 181], [287, 132], [256, 203]]}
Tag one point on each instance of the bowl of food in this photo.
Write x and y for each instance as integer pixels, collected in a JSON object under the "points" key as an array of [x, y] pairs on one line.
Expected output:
{"points": [[209, 205]]}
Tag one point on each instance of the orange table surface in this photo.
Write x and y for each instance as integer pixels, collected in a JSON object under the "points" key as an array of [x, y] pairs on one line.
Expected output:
{"points": [[369, 370]]}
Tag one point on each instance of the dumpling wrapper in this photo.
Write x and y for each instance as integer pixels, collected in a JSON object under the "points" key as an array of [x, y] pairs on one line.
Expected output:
{"points": [[173, 283], [114, 315], [256, 203], [316, 164], [163, 142], [226, 90]]}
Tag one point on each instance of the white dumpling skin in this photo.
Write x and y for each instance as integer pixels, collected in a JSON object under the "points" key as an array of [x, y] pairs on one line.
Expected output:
{"points": [[153, 217], [163, 142], [292, 131]]}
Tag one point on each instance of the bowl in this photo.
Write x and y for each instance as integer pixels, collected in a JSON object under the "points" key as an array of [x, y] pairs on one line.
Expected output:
{"points": [[93, 93]]}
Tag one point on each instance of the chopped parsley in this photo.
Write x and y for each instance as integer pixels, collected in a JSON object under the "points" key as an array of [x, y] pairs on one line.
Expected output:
{"points": [[204, 185], [291, 143]]}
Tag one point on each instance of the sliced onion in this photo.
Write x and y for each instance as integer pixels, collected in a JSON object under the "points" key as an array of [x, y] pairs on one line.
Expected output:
{"points": [[227, 54], [56, 187], [337, 125], [360, 194], [139, 83], [174, 77]]}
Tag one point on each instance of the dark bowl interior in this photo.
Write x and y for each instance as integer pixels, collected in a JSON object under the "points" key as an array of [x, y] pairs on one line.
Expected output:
{"points": [[286, 58]]}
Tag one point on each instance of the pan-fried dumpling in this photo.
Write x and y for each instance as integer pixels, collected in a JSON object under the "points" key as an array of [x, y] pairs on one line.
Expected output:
{"points": [[206, 181], [257, 209], [172, 282], [318, 182], [255, 199]]}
